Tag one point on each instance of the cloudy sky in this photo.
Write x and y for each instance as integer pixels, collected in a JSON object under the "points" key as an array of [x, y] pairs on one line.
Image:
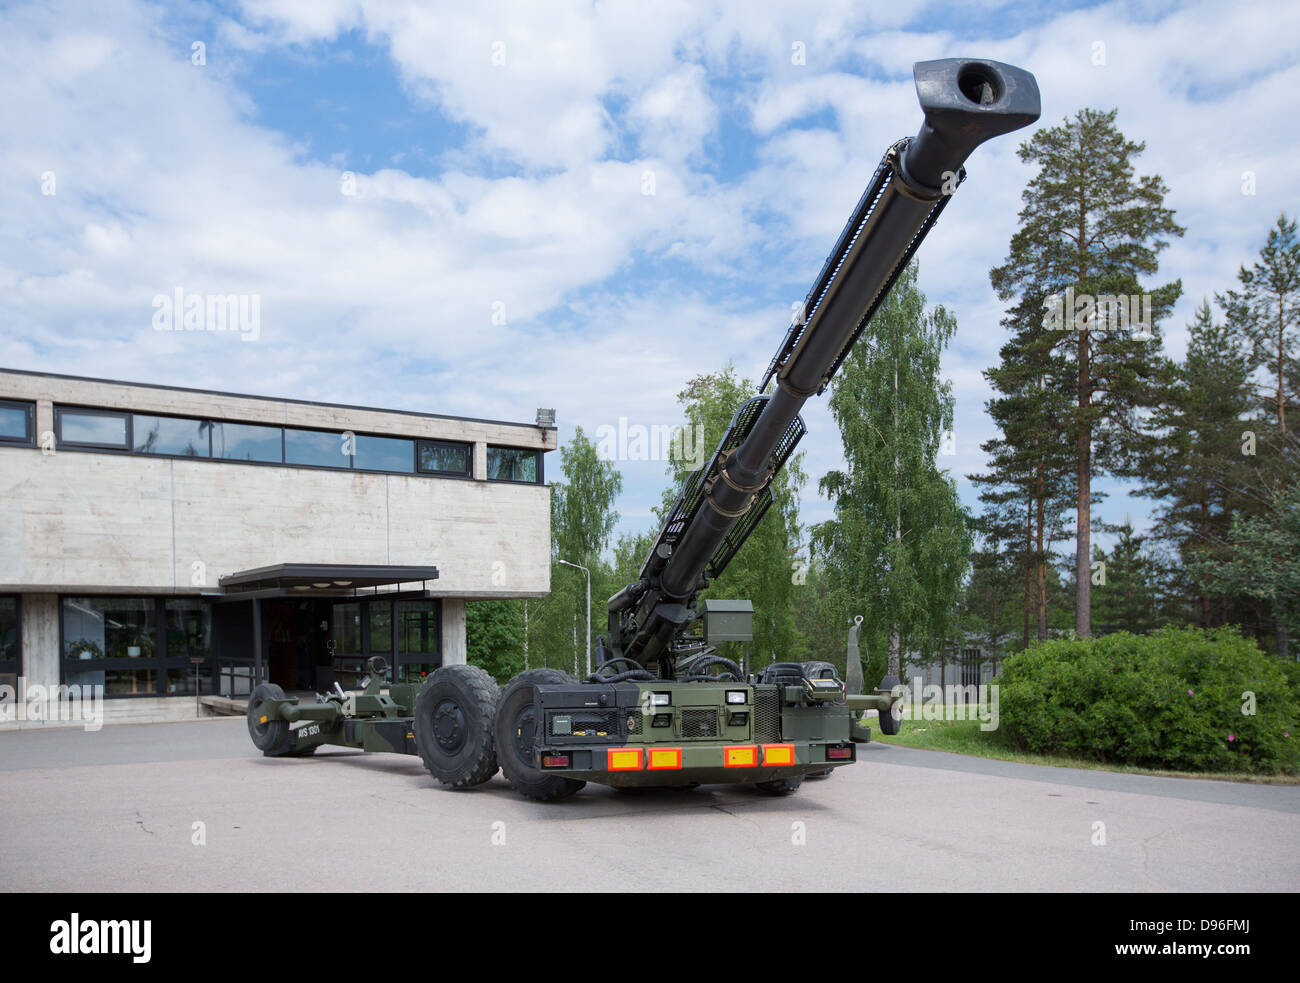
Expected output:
{"points": [[444, 207]]}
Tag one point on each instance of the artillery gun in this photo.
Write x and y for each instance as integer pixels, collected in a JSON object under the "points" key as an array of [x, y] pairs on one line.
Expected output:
{"points": [[662, 707]]}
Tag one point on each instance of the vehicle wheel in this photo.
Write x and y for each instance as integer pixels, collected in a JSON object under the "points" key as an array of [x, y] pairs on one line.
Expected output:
{"points": [[779, 786], [515, 727], [889, 724], [453, 725], [271, 737]]}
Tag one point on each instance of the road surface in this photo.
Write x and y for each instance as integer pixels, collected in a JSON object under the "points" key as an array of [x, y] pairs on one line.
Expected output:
{"points": [[193, 807]]}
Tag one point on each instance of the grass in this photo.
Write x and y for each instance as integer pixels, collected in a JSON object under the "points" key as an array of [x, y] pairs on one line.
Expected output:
{"points": [[965, 737]]}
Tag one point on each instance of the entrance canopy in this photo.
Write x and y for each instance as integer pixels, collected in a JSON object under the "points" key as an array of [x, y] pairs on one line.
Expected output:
{"points": [[313, 580]]}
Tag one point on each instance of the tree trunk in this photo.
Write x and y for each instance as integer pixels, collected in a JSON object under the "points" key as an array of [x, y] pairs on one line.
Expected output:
{"points": [[895, 655], [1029, 548], [1083, 531], [1083, 520], [1205, 538], [1281, 393], [1041, 561]]}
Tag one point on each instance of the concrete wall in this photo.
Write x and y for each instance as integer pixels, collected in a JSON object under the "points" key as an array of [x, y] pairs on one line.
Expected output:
{"points": [[455, 648]]}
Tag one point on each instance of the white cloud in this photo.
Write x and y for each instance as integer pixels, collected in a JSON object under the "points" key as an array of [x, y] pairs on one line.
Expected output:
{"points": [[386, 297]]}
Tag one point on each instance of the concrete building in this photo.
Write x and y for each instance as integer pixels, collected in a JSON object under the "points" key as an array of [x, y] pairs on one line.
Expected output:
{"points": [[154, 539]]}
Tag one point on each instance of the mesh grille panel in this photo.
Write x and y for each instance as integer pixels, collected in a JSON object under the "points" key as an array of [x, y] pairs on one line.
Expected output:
{"points": [[700, 723], [767, 714]]}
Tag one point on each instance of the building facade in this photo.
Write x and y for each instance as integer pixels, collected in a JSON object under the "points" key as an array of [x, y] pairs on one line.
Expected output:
{"points": [[159, 541]]}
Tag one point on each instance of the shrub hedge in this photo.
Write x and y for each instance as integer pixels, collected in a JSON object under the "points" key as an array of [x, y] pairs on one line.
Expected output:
{"points": [[1173, 699]]}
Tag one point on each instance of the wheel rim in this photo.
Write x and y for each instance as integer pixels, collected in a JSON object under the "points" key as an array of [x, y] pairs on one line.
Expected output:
{"points": [[525, 724], [449, 726]]}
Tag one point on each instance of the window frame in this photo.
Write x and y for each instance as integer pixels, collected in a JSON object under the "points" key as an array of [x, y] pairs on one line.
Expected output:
{"points": [[29, 409], [469, 457], [132, 414], [537, 454], [128, 415], [415, 453], [128, 441], [18, 618], [160, 663]]}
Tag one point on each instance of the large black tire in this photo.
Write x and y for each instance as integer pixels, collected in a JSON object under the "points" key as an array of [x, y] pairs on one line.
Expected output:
{"points": [[454, 711], [272, 738], [782, 674], [779, 786], [889, 724], [514, 737]]}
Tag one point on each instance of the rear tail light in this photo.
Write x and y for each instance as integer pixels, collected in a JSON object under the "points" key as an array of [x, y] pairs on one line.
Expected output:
{"points": [[555, 761], [839, 753]]}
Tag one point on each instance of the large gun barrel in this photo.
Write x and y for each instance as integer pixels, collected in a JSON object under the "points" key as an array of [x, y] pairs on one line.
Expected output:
{"points": [[966, 102]]}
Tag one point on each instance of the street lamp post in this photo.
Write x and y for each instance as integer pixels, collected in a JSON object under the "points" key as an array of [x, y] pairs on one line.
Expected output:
{"points": [[588, 573]]}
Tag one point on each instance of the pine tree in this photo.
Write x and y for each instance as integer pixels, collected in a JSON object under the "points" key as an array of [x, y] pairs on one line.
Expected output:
{"points": [[1267, 307], [1088, 231], [1126, 597], [1197, 460], [1267, 310], [1030, 460]]}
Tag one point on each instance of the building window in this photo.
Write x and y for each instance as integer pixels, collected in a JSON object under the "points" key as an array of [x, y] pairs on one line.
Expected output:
{"points": [[513, 464], [247, 442], [316, 449], [17, 422], [136, 646], [187, 626], [444, 457], [83, 428], [383, 454], [347, 629], [111, 642], [366, 628], [419, 639], [11, 640], [91, 428], [170, 435], [381, 628]]}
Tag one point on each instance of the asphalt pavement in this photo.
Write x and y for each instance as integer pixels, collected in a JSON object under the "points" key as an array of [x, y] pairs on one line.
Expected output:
{"points": [[194, 807]]}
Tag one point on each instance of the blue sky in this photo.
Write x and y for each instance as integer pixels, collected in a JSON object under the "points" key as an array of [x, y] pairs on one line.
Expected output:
{"points": [[499, 155]]}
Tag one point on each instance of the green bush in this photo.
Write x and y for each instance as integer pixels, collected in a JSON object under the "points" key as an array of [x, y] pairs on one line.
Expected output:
{"points": [[1292, 669], [1173, 699]]}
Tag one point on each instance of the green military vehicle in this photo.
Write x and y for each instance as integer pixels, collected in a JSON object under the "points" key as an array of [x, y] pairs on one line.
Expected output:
{"points": [[662, 707]]}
